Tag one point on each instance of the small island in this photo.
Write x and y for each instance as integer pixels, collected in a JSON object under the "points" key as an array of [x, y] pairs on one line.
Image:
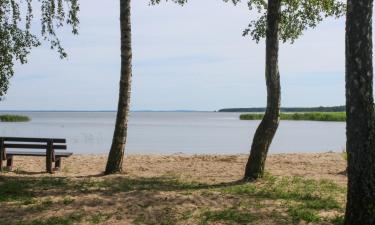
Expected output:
{"points": [[313, 116], [14, 118]]}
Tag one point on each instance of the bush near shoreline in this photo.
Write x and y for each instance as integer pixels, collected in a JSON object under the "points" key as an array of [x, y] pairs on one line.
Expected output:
{"points": [[14, 118], [313, 116]]}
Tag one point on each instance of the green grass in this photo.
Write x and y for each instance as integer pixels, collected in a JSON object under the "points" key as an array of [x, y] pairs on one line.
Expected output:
{"points": [[228, 215], [99, 218], [296, 199], [345, 155], [288, 188], [314, 116], [304, 214], [70, 219], [67, 200], [21, 190], [303, 198], [338, 220], [14, 118]]}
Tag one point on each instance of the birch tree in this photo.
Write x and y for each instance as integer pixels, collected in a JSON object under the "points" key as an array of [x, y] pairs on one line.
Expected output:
{"points": [[278, 20], [116, 154], [360, 122]]}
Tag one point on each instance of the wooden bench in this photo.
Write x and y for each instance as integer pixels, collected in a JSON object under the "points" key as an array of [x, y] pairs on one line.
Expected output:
{"points": [[48, 144]]}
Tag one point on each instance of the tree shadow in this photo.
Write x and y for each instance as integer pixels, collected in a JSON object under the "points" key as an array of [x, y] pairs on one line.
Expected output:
{"points": [[100, 193], [15, 187], [24, 172], [90, 176], [142, 200]]}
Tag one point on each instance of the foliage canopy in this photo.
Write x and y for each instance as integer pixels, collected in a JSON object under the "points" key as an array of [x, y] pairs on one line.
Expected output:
{"points": [[296, 16], [17, 37]]}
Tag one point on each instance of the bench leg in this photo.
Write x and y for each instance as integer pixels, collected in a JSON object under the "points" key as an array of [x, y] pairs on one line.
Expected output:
{"points": [[49, 157], [58, 163], [2, 154], [49, 165], [2, 158], [10, 162]]}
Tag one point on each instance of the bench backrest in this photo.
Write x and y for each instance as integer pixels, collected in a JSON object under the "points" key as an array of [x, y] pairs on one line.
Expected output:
{"points": [[32, 143]]}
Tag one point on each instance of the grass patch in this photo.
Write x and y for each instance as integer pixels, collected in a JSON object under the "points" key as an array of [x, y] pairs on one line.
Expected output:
{"points": [[324, 203], [229, 216], [67, 200], [14, 190], [303, 198], [344, 155], [338, 220], [293, 199], [22, 190], [289, 188], [305, 214], [313, 116], [99, 218], [14, 118], [71, 219]]}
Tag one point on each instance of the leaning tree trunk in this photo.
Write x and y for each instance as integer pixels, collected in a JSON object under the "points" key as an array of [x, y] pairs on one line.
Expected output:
{"points": [[116, 154], [360, 127], [267, 128]]}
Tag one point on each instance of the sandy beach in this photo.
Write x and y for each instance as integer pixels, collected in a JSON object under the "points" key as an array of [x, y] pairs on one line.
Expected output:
{"points": [[156, 189], [200, 168]]}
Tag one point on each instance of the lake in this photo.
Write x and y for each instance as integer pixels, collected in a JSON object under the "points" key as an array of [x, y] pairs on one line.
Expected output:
{"points": [[176, 132]]}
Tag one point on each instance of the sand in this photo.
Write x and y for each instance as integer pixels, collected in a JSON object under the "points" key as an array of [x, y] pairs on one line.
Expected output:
{"points": [[201, 168]]}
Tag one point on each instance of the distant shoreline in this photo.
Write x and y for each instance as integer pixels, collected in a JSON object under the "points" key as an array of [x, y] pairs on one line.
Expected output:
{"points": [[250, 110], [307, 116], [288, 109], [240, 110]]}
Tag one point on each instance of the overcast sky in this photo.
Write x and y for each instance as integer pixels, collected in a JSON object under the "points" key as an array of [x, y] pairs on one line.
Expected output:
{"points": [[190, 57]]}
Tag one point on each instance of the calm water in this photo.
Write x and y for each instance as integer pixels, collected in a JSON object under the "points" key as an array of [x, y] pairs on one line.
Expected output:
{"points": [[176, 132]]}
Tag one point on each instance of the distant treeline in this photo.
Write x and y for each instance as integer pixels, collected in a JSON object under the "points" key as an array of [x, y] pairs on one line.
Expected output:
{"points": [[314, 116], [289, 109], [14, 118]]}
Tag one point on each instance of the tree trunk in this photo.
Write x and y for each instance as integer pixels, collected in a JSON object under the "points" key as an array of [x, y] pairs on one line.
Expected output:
{"points": [[267, 128], [360, 127], [116, 154]]}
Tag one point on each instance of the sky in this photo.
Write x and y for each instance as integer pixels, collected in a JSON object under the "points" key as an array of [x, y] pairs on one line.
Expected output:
{"points": [[184, 58]]}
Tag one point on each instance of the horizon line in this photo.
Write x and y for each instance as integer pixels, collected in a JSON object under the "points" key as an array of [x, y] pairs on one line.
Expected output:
{"points": [[153, 110], [79, 110]]}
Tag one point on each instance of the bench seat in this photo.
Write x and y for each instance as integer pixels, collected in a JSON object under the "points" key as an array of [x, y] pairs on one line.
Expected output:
{"points": [[28, 153], [22, 144]]}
